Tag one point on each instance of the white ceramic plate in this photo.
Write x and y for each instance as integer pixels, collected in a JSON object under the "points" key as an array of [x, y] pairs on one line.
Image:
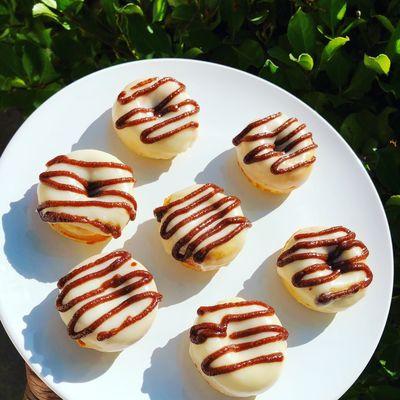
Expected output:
{"points": [[326, 354]]}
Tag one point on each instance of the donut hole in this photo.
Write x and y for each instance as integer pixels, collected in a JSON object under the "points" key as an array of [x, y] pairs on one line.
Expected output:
{"points": [[279, 147], [335, 260], [92, 189], [332, 260]]}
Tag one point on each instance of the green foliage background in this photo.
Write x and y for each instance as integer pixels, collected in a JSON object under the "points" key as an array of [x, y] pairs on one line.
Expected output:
{"points": [[341, 57]]}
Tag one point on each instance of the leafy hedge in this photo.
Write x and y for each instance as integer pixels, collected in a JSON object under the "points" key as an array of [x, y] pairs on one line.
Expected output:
{"points": [[341, 57]]}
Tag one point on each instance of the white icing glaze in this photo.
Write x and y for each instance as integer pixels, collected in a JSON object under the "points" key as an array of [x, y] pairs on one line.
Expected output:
{"points": [[217, 256], [167, 147], [309, 295], [129, 334], [116, 216], [260, 172], [250, 380]]}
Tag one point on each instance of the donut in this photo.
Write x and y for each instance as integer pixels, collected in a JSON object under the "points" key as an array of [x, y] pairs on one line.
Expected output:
{"points": [[324, 268], [156, 118], [238, 346], [108, 301], [87, 195], [276, 153], [202, 227]]}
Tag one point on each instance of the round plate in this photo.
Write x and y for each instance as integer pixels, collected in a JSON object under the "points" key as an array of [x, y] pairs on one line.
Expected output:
{"points": [[326, 352]]}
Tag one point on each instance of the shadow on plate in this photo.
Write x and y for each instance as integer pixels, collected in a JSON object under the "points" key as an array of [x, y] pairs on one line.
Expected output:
{"points": [[303, 324], [172, 374], [224, 171], [173, 280], [45, 336], [33, 249], [100, 135]]}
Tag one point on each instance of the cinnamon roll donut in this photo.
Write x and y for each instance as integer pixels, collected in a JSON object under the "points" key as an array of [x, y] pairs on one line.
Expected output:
{"points": [[108, 301], [325, 268], [238, 346], [87, 195], [276, 153], [156, 118], [202, 227]]}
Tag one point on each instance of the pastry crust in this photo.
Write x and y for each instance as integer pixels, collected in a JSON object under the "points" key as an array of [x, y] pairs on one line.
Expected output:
{"points": [[263, 187]]}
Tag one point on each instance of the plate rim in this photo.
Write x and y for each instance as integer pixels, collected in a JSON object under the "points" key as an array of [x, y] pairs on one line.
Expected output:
{"points": [[18, 135]]}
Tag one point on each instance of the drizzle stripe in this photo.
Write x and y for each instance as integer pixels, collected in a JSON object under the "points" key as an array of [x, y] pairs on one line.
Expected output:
{"points": [[94, 189], [120, 258], [161, 109], [259, 153], [201, 332], [330, 261], [205, 229]]}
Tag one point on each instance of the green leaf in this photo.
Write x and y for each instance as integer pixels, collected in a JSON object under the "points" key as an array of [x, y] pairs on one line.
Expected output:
{"points": [[383, 130], [386, 392], [203, 39], [233, 13], [353, 129], [339, 69], [274, 74], [250, 52], [73, 6], [385, 21], [7, 84], [392, 207], [361, 82], [268, 67], [41, 10], [302, 32], [50, 3], [129, 9], [332, 12], [280, 54], [363, 125], [352, 25], [393, 46], [379, 64], [10, 62], [388, 168], [194, 52], [37, 64], [392, 84], [183, 12], [304, 60], [159, 10], [332, 47]]}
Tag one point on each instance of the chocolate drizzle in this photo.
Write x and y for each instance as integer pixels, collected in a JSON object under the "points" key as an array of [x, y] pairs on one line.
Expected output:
{"points": [[116, 260], [154, 113], [92, 190], [211, 222], [280, 147], [330, 261], [202, 332]]}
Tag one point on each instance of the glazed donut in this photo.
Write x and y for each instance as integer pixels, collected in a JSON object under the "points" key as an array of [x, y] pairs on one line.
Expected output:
{"points": [[324, 268], [276, 153], [156, 118], [238, 346], [87, 195], [202, 227], [108, 301]]}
